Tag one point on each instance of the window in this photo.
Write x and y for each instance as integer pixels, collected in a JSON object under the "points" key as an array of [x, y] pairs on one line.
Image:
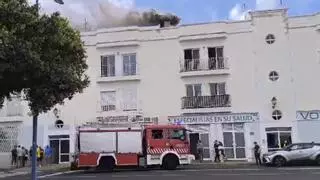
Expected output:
{"points": [[107, 66], [270, 39], [129, 99], [273, 75], [296, 147], [216, 60], [217, 89], [14, 106], [129, 64], [191, 59], [193, 90], [276, 114], [157, 134], [307, 146], [278, 137], [177, 134], [108, 100]]}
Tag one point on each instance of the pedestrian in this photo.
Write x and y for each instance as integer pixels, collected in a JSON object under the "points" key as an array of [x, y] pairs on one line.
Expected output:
{"points": [[39, 156], [200, 150], [221, 149], [48, 154], [257, 153], [14, 156], [23, 158], [216, 151], [20, 156]]}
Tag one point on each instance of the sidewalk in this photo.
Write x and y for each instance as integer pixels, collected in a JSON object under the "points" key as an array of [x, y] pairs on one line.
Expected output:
{"points": [[221, 165], [27, 170]]}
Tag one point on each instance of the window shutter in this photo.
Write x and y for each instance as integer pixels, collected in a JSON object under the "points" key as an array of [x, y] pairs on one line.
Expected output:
{"points": [[189, 90], [133, 64], [213, 89], [197, 89], [222, 88], [111, 65]]}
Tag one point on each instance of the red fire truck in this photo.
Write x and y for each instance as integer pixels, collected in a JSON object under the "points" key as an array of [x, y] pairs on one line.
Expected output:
{"points": [[106, 148]]}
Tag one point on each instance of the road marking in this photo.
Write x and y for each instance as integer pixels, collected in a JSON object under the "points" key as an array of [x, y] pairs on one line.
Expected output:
{"points": [[195, 170], [13, 174], [299, 168], [58, 173]]}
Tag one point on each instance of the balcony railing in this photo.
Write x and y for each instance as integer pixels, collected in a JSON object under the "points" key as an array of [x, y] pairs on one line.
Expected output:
{"points": [[215, 63], [111, 71], [196, 102]]}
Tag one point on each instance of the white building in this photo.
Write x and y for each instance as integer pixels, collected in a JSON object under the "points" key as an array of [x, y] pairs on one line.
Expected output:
{"points": [[232, 81]]}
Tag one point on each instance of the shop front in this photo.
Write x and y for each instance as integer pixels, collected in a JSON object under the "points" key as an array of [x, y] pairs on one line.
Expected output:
{"points": [[308, 125], [237, 132]]}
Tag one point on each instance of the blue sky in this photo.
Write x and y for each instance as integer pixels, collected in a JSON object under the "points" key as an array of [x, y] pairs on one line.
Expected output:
{"points": [[191, 11]]}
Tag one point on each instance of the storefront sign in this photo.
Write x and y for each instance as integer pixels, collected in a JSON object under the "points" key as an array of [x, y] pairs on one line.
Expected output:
{"points": [[308, 115], [215, 118], [114, 119]]}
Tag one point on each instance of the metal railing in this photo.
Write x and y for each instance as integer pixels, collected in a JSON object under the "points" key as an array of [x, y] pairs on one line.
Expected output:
{"points": [[214, 63], [119, 71], [196, 102]]}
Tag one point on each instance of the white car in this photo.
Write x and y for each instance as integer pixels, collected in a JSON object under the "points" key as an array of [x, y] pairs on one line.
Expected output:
{"points": [[298, 152]]}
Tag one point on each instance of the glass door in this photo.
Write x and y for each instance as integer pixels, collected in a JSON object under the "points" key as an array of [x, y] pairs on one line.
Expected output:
{"points": [[234, 141], [206, 145], [64, 150]]}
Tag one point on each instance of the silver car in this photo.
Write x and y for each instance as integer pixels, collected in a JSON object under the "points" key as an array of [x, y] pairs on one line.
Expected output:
{"points": [[298, 152]]}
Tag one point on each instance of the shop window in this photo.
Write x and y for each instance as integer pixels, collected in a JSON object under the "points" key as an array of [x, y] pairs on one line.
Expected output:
{"points": [[278, 138], [157, 134]]}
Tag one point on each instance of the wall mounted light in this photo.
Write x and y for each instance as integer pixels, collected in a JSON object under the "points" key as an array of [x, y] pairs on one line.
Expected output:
{"points": [[274, 102]]}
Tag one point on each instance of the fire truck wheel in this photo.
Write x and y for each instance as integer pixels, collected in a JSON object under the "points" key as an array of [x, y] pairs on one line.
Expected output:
{"points": [[106, 164], [170, 162]]}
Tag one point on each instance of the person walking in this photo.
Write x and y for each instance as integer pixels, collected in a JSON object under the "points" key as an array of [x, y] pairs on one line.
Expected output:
{"points": [[14, 156], [48, 154], [221, 149], [38, 153], [20, 156], [23, 158], [257, 153], [200, 150], [216, 151]]}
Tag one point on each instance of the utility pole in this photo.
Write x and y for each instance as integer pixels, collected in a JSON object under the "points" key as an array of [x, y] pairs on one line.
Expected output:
{"points": [[35, 122]]}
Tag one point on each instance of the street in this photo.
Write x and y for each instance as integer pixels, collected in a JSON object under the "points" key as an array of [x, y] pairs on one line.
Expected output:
{"points": [[191, 174]]}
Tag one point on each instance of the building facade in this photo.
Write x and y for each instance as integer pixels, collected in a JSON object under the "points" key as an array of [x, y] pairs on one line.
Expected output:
{"points": [[232, 81]]}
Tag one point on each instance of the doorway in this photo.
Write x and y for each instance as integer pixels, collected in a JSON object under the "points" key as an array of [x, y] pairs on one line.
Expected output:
{"points": [[60, 146], [234, 141], [204, 137]]}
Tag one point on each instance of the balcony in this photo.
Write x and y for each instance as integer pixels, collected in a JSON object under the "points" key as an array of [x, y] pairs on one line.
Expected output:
{"points": [[204, 67], [113, 75], [197, 104]]}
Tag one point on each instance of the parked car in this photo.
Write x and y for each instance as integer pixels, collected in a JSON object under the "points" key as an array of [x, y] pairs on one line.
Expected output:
{"points": [[298, 152]]}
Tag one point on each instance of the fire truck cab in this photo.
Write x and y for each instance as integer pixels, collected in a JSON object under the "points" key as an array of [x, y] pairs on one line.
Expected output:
{"points": [[107, 148]]}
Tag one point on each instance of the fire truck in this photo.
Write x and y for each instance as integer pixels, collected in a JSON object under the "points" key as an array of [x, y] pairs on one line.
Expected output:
{"points": [[151, 145]]}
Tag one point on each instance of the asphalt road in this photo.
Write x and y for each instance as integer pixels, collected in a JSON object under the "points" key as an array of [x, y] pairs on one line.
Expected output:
{"points": [[192, 174]]}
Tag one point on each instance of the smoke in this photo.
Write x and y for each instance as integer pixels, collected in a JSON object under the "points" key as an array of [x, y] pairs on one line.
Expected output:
{"points": [[93, 14]]}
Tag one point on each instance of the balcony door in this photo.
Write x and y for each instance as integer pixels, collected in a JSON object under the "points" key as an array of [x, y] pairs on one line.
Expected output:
{"points": [[191, 59], [194, 90], [216, 60], [217, 89]]}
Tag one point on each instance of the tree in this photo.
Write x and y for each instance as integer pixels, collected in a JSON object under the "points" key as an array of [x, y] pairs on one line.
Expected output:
{"points": [[41, 56]]}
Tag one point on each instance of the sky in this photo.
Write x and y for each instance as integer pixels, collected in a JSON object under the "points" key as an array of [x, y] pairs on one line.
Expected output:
{"points": [[190, 11]]}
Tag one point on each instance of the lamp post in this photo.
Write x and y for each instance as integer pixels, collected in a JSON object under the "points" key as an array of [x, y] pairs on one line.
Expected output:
{"points": [[35, 124]]}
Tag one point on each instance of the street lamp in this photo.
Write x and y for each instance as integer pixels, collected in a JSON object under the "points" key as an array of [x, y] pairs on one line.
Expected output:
{"points": [[35, 124]]}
